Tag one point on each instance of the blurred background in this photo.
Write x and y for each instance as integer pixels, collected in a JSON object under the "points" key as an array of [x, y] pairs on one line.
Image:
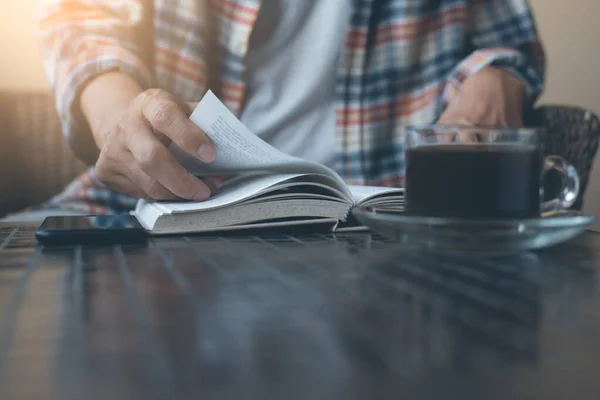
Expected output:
{"points": [[570, 30]]}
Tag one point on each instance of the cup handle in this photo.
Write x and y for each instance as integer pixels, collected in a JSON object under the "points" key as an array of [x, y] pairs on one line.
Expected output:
{"points": [[569, 180]]}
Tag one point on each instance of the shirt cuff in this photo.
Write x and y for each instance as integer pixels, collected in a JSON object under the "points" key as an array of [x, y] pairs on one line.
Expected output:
{"points": [[512, 61], [83, 67]]}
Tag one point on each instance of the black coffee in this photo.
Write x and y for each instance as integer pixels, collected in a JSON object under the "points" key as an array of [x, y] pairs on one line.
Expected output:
{"points": [[474, 181]]}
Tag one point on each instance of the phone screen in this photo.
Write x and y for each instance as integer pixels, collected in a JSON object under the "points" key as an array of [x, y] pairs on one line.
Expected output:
{"points": [[78, 223], [90, 229]]}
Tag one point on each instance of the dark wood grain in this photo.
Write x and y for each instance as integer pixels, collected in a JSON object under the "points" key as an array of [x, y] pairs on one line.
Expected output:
{"points": [[278, 317]]}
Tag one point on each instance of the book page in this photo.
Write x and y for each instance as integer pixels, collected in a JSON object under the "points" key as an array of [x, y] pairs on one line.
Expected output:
{"points": [[291, 226], [365, 193], [239, 150], [232, 192]]}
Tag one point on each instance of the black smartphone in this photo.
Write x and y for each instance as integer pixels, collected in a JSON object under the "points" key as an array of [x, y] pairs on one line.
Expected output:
{"points": [[91, 230]]}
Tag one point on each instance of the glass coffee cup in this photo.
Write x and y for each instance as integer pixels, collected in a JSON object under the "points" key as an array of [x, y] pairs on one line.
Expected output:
{"points": [[482, 172]]}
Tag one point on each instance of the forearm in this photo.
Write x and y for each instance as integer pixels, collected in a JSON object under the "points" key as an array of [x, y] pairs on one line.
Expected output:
{"points": [[503, 35], [104, 98], [77, 50], [491, 97]]}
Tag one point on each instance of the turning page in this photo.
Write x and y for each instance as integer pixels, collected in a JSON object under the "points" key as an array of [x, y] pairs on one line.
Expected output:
{"points": [[362, 194], [239, 150], [230, 193]]}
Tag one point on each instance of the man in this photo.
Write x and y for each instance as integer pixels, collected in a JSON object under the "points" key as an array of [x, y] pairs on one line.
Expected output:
{"points": [[329, 80]]}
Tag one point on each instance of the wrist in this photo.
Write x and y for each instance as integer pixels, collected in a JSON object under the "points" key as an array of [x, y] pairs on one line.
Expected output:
{"points": [[104, 99]]}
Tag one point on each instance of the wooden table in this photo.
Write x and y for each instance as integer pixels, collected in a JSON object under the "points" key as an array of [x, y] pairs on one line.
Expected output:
{"points": [[279, 317]]}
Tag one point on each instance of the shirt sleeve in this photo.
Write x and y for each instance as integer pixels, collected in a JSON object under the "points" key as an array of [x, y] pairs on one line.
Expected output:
{"points": [[502, 34], [81, 39]]}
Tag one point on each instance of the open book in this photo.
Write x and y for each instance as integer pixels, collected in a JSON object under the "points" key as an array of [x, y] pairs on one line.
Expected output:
{"points": [[267, 188]]}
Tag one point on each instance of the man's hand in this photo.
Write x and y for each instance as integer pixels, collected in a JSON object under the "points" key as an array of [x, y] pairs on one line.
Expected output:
{"points": [[133, 130], [135, 158], [491, 97]]}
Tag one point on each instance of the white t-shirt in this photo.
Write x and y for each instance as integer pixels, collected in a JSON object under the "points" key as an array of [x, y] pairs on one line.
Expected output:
{"points": [[291, 68]]}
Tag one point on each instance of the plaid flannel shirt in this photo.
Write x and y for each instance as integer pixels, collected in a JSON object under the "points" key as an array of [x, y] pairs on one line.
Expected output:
{"points": [[401, 62]]}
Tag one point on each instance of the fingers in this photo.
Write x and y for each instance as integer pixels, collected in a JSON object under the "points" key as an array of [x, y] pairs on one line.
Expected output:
{"points": [[116, 180], [466, 122], [135, 158], [137, 184], [125, 185], [165, 174], [167, 116], [211, 184], [151, 188], [126, 177]]}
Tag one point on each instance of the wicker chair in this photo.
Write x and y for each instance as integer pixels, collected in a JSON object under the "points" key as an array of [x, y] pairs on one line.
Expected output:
{"points": [[572, 133], [36, 164]]}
